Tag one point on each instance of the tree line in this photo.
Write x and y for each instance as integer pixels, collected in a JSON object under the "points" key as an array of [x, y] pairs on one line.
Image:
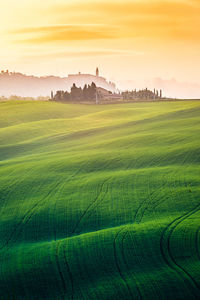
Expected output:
{"points": [[142, 94], [88, 93]]}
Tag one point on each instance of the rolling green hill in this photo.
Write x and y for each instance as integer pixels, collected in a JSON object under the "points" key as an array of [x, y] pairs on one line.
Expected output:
{"points": [[99, 202]]}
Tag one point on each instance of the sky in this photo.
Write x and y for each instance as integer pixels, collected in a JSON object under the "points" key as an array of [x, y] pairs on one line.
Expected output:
{"points": [[133, 42]]}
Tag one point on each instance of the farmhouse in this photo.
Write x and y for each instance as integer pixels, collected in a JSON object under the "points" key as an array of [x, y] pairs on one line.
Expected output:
{"points": [[104, 94]]}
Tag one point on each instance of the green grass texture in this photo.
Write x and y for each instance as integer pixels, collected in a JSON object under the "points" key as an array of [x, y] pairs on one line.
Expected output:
{"points": [[99, 202]]}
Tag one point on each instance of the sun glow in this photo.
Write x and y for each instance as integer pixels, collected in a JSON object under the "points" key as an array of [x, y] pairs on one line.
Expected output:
{"points": [[129, 40]]}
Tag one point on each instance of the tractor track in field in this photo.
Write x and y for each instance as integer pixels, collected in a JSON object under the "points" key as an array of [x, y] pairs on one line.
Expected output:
{"points": [[59, 192], [98, 202], [59, 268], [123, 254], [171, 262], [165, 246], [94, 202], [90, 206], [197, 231], [26, 218], [141, 208], [74, 230], [78, 223], [145, 201], [69, 272], [153, 203], [13, 183], [148, 204], [66, 181], [118, 265], [55, 204], [30, 212], [58, 245], [114, 243], [197, 242], [138, 216], [64, 248], [150, 195], [125, 261], [67, 268]]}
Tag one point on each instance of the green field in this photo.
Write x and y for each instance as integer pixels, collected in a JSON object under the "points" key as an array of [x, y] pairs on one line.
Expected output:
{"points": [[99, 202]]}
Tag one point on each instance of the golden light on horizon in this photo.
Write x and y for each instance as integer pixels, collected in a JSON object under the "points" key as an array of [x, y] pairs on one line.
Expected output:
{"points": [[128, 39]]}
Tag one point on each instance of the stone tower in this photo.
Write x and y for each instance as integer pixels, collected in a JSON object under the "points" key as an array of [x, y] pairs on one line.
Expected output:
{"points": [[97, 72]]}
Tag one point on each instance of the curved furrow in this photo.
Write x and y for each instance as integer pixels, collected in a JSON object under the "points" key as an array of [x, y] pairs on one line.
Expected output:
{"points": [[125, 261], [115, 250], [69, 178], [171, 255], [60, 269], [69, 271], [64, 285], [118, 265], [196, 236], [25, 219], [30, 213], [139, 214], [159, 202], [197, 242], [122, 250], [88, 207], [14, 183], [143, 207], [54, 208], [178, 222], [168, 257], [58, 243], [97, 203], [64, 246], [138, 210], [154, 203]]}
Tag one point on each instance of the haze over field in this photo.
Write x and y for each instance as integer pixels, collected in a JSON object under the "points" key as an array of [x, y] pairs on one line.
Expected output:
{"points": [[133, 42]]}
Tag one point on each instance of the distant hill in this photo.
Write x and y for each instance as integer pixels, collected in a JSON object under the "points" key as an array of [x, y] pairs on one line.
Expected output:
{"points": [[32, 86]]}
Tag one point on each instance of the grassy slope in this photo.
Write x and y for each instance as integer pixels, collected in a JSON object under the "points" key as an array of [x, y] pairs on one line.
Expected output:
{"points": [[99, 202]]}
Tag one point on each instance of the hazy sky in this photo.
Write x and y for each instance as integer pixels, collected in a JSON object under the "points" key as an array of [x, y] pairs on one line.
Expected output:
{"points": [[130, 41]]}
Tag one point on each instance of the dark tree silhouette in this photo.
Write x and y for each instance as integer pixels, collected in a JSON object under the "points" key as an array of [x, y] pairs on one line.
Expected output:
{"points": [[76, 93], [88, 93]]}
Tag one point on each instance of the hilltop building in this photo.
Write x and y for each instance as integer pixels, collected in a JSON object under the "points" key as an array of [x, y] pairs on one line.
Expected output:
{"points": [[81, 79]]}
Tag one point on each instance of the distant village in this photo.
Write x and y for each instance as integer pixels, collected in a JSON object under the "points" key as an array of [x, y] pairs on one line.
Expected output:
{"points": [[90, 88], [93, 88]]}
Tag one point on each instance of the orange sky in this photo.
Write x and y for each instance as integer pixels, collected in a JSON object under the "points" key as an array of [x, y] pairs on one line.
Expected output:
{"points": [[130, 41]]}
